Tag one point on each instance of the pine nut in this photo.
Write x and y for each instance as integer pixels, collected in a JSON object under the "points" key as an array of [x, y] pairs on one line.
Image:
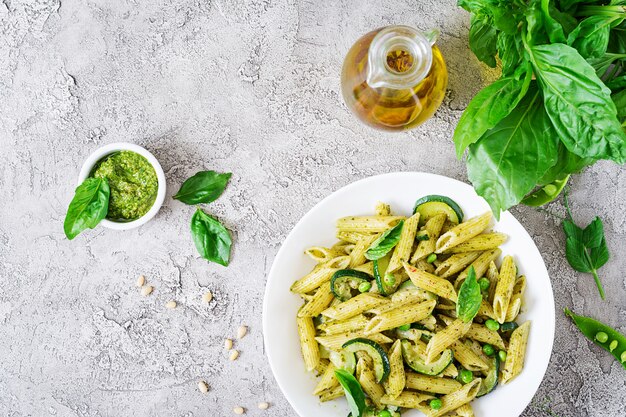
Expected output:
{"points": [[234, 354], [238, 410], [171, 305], [228, 344], [242, 331], [203, 387], [141, 280], [264, 406], [147, 290], [207, 297]]}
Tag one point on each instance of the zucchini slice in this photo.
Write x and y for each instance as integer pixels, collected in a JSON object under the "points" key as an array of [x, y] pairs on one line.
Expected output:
{"points": [[431, 205], [346, 281], [490, 381], [344, 360], [416, 362], [375, 351], [508, 326], [380, 269]]}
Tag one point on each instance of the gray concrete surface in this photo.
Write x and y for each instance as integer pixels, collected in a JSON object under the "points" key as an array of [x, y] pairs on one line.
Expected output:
{"points": [[244, 86]]}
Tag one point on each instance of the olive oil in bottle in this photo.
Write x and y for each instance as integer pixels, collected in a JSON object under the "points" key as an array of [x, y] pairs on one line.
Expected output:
{"points": [[394, 78]]}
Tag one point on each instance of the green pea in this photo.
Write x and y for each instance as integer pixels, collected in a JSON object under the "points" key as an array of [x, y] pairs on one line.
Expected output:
{"points": [[492, 325], [431, 258], [365, 286], [466, 376], [488, 350], [623, 356], [612, 346], [602, 337], [384, 413], [390, 280], [502, 356], [405, 327], [436, 404], [484, 284]]}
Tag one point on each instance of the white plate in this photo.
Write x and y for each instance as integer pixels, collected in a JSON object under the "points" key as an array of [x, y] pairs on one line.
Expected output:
{"points": [[400, 190]]}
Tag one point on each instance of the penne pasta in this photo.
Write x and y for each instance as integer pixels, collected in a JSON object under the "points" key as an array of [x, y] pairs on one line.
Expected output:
{"points": [[382, 209], [504, 289], [320, 275], [430, 282], [356, 323], [409, 399], [480, 265], [320, 301], [351, 237], [445, 337], [365, 376], [327, 381], [357, 256], [402, 251], [394, 385], [492, 275], [354, 306], [403, 315], [367, 224], [516, 354], [453, 401], [336, 341], [466, 357], [433, 229], [308, 345], [515, 304], [321, 254], [331, 394], [463, 232], [455, 263], [431, 384], [480, 243]]}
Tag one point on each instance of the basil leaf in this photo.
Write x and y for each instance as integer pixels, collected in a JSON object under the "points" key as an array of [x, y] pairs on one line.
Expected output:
{"points": [[482, 40], [203, 187], [492, 104], [510, 51], [470, 298], [620, 103], [354, 392], [385, 242], [554, 28], [212, 239], [578, 103], [509, 159], [586, 249], [593, 234], [567, 163], [88, 207], [591, 36], [600, 255]]}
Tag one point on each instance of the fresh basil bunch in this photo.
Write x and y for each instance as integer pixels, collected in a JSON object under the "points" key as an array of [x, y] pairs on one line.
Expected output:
{"points": [[212, 239], [559, 104]]}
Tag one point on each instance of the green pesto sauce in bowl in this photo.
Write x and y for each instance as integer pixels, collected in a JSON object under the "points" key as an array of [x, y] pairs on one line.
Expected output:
{"points": [[133, 182]]}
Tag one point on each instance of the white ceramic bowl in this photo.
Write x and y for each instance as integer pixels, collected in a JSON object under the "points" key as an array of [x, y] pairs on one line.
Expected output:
{"points": [[400, 190], [100, 153]]}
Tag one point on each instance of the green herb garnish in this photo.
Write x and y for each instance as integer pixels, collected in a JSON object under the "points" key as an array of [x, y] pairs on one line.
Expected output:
{"points": [[203, 187], [88, 207], [586, 249], [354, 392], [470, 298], [212, 239], [385, 242]]}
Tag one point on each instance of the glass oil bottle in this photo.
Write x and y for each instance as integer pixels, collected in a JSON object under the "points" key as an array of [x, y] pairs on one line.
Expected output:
{"points": [[394, 78]]}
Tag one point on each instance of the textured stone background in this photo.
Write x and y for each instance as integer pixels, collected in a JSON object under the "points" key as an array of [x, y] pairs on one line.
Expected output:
{"points": [[244, 86]]}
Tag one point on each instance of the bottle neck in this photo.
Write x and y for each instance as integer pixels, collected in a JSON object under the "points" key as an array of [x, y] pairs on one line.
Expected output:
{"points": [[399, 57]]}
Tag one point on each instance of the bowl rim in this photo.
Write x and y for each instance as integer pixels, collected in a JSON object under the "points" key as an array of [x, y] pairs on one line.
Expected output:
{"points": [[105, 150], [549, 320]]}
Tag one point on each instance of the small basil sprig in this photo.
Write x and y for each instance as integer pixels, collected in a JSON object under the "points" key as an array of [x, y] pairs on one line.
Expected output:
{"points": [[88, 207], [212, 239], [470, 298], [586, 249], [203, 187], [385, 242], [354, 392]]}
